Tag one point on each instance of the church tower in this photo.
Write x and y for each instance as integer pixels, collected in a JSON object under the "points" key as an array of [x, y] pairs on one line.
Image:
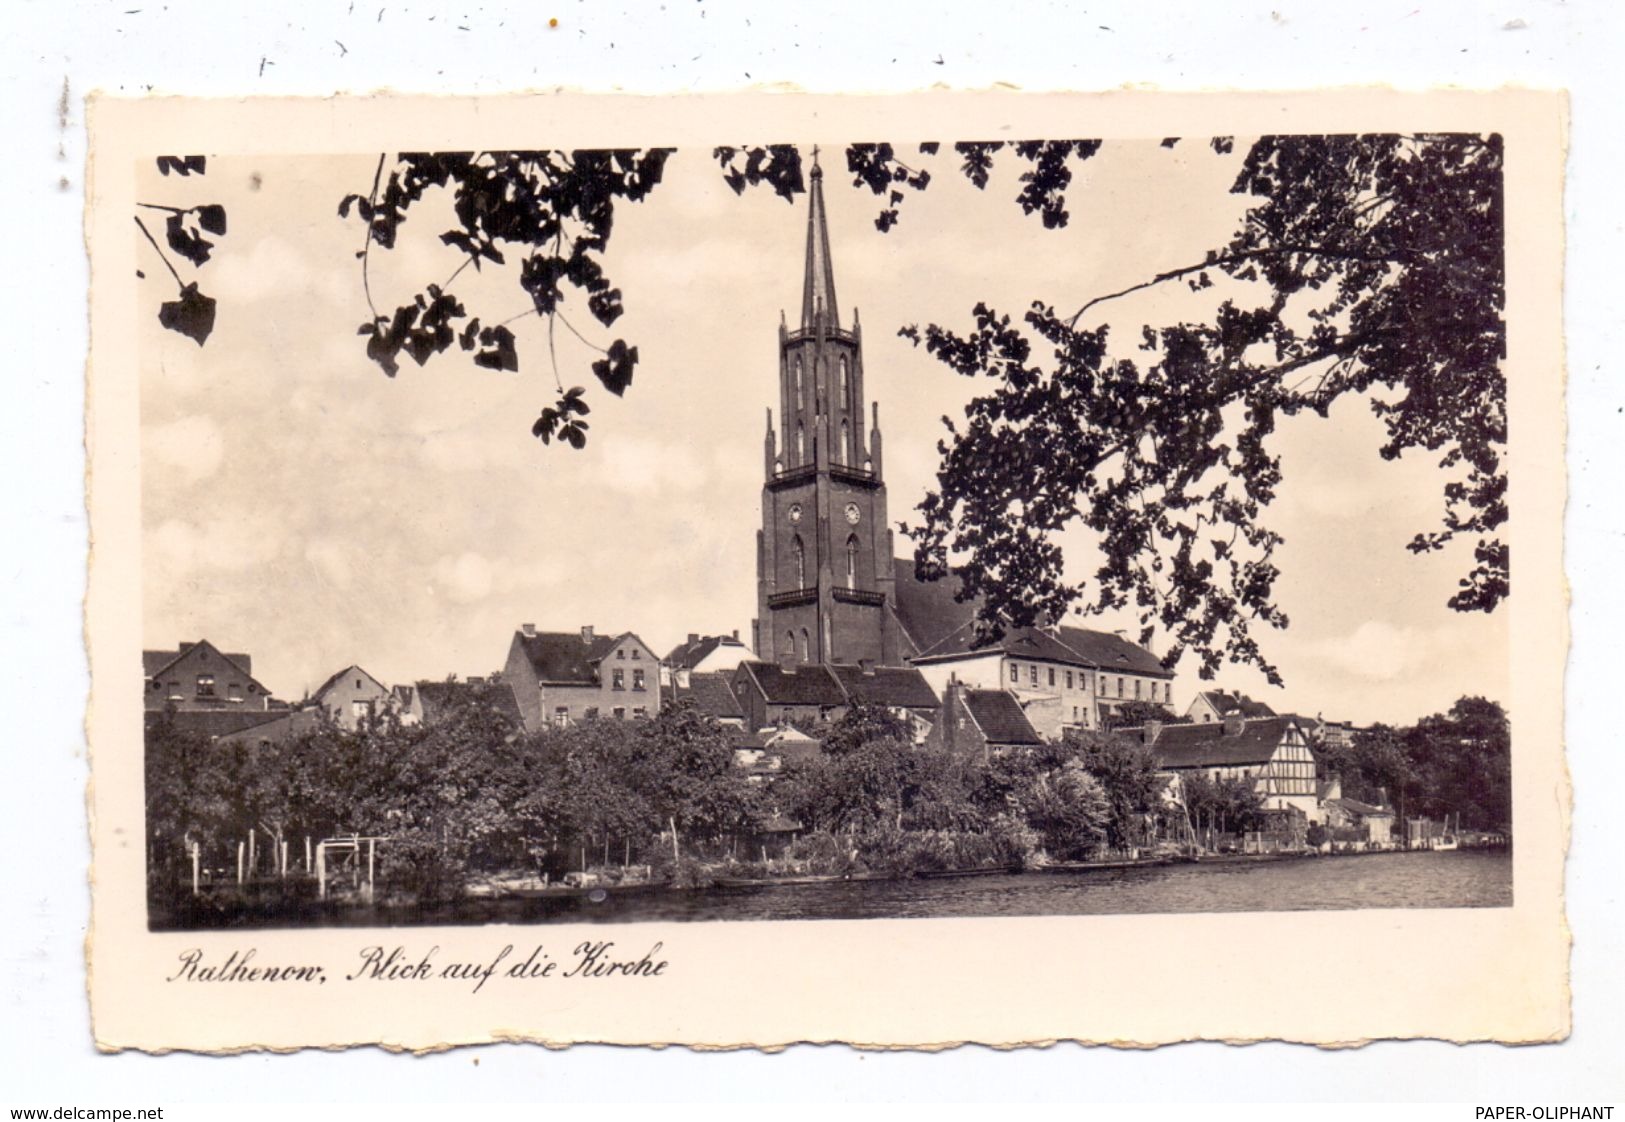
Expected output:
{"points": [[824, 573]]}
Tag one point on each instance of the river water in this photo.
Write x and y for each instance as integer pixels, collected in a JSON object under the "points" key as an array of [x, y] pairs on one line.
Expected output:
{"points": [[1460, 879]]}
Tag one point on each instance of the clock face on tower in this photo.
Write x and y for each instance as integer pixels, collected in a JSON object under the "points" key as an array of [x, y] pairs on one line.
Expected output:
{"points": [[852, 514], [795, 514]]}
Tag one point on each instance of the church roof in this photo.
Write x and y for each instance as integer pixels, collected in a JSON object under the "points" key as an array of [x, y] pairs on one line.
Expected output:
{"points": [[926, 610], [818, 286]]}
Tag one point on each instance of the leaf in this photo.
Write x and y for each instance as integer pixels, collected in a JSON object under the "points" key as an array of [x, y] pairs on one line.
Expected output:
{"points": [[191, 314], [184, 241], [498, 350], [181, 165], [212, 217], [615, 370]]}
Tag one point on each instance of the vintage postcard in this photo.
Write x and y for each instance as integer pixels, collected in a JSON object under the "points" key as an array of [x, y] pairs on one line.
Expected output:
{"points": [[741, 570]]}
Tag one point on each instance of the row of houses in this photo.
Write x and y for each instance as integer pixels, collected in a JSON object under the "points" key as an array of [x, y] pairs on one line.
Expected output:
{"points": [[1015, 694]]}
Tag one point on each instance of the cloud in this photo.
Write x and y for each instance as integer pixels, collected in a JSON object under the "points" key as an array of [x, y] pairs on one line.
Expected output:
{"points": [[465, 579], [637, 465], [192, 446], [331, 560], [178, 547], [1379, 651]]}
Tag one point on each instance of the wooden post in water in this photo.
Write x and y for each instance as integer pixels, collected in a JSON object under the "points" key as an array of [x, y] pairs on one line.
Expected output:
{"points": [[283, 848], [194, 868], [239, 862], [372, 846], [321, 868], [309, 868], [251, 855]]}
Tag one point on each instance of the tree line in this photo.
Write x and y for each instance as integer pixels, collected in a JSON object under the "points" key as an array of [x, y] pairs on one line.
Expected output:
{"points": [[472, 794]]}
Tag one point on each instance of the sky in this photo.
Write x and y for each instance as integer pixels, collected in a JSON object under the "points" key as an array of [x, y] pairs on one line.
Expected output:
{"points": [[301, 506]]}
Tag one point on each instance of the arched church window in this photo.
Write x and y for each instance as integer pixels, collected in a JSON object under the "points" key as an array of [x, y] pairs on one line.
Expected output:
{"points": [[846, 443], [801, 444], [852, 561], [846, 390], [806, 650], [789, 646], [799, 552], [798, 381]]}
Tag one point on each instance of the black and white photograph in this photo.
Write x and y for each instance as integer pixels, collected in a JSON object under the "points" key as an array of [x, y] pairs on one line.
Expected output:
{"points": [[951, 527], [558, 559]]}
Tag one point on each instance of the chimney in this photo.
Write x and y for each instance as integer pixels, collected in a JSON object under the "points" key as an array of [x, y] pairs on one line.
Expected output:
{"points": [[586, 633], [1234, 725], [528, 630], [867, 665], [693, 637], [736, 634]]}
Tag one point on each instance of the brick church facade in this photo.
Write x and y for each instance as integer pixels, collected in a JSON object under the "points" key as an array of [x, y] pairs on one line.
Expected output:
{"points": [[825, 576]]}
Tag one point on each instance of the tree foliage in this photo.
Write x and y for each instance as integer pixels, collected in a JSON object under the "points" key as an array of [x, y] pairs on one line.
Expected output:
{"points": [[551, 211], [1366, 265], [1453, 763]]}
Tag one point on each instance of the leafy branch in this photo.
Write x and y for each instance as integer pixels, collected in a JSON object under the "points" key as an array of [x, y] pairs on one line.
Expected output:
{"points": [[191, 313]]}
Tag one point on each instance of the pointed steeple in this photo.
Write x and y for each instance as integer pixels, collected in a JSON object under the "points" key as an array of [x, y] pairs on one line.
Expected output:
{"points": [[818, 289]]}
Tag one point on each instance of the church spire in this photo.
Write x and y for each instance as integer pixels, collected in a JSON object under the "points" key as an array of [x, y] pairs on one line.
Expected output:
{"points": [[818, 289]]}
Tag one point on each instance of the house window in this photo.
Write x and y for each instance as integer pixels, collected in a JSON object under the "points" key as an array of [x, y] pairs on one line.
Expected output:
{"points": [[234, 691], [358, 683], [1052, 675], [1032, 673], [639, 713], [637, 678], [619, 712], [617, 678], [1015, 672], [561, 716], [1136, 689], [590, 713], [360, 710], [205, 685], [1119, 687], [620, 654], [636, 654], [1102, 684], [1069, 679]]}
